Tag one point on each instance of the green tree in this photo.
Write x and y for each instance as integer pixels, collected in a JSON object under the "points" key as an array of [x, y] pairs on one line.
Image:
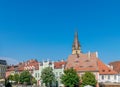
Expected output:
{"points": [[34, 81], [11, 77], [47, 76], [25, 77], [16, 77], [88, 79], [70, 78]]}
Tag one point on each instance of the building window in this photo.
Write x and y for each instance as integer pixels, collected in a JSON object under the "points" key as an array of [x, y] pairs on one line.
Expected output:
{"points": [[56, 73], [114, 76], [36, 75], [60, 73], [102, 76], [108, 76]]}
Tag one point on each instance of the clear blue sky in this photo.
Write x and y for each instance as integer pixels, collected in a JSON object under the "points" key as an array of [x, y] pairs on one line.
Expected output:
{"points": [[44, 29]]}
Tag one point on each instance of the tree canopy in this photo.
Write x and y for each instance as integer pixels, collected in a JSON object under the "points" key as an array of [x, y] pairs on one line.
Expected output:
{"points": [[11, 77], [70, 78], [16, 77], [47, 76], [88, 79], [34, 81], [25, 77]]}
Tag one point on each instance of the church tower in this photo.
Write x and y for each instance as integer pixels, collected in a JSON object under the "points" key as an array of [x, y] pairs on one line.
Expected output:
{"points": [[76, 48]]}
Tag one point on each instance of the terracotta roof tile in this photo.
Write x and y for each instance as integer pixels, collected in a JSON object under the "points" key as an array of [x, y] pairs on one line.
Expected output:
{"points": [[88, 62], [11, 68], [104, 69], [82, 62], [116, 66], [21, 66], [59, 64]]}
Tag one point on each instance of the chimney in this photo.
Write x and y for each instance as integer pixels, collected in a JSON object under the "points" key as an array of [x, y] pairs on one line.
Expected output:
{"points": [[62, 60], [96, 54], [111, 67], [89, 54]]}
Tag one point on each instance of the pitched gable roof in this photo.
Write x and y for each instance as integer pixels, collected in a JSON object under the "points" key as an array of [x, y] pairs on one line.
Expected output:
{"points": [[82, 62], [104, 69], [59, 64], [116, 66], [10, 68], [88, 62]]}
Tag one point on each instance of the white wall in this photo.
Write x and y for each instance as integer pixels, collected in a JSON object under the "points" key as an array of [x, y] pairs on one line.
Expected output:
{"points": [[119, 78], [57, 72], [108, 78]]}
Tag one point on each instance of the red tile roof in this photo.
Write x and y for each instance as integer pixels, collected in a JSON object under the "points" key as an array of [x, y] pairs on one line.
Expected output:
{"points": [[59, 64], [116, 66], [88, 62], [10, 68], [104, 69], [21, 66], [32, 63], [82, 62]]}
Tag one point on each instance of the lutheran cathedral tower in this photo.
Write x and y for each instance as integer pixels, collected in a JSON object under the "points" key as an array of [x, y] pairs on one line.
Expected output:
{"points": [[76, 47]]}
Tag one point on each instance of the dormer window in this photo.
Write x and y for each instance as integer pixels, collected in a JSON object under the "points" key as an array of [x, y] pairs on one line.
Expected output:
{"points": [[81, 66], [87, 61], [109, 70], [103, 70], [90, 66], [76, 61]]}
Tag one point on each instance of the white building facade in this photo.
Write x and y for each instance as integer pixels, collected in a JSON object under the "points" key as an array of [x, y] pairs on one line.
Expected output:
{"points": [[58, 68], [108, 78]]}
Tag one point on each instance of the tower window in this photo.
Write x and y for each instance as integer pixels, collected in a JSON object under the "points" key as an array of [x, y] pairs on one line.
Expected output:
{"points": [[76, 52]]}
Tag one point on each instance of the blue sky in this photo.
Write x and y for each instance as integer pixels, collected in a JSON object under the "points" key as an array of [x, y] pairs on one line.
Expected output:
{"points": [[44, 29]]}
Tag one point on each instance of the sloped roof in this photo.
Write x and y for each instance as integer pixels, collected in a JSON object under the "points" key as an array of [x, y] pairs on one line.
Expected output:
{"points": [[88, 62], [32, 63], [21, 66], [59, 64], [10, 68], [116, 66], [82, 62], [104, 69]]}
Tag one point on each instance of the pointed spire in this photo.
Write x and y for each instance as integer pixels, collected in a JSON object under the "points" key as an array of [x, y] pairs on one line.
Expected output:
{"points": [[76, 44]]}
